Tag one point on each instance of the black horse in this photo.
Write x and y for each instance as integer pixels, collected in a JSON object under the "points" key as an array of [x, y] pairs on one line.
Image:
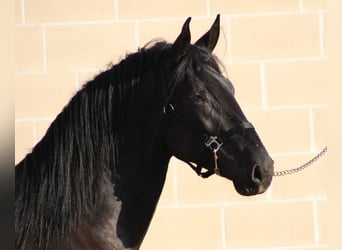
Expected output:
{"points": [[94, 180]]}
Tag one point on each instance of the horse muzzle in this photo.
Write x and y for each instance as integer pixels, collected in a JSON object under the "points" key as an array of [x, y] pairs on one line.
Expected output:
{"points": [[255, 179]]}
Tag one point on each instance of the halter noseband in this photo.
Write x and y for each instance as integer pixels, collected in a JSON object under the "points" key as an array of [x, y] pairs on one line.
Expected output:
{"points": [[213, 143]]}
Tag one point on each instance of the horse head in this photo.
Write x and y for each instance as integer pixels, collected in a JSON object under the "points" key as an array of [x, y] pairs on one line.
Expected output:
{"points": [[205, 124]]}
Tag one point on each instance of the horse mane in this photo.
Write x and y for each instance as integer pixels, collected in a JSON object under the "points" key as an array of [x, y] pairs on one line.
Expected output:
{"points": [[65, 169]]}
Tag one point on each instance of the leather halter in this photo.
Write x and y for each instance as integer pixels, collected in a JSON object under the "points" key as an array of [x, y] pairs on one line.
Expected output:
{"points": [[213, 143]]}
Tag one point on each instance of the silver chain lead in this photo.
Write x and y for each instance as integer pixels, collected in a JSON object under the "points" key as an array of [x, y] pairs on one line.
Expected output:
{"points": [[305, 165]]}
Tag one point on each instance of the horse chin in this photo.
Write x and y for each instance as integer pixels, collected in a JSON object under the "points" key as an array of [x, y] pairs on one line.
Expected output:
{"points": [[249, 190]]}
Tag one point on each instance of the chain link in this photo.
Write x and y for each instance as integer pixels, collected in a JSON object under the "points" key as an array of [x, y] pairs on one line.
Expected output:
{"points": [[302, 167]]}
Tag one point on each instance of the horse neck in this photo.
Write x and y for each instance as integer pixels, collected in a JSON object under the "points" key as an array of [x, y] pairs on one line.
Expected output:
{"points": [[140, 169], [138, 180]]}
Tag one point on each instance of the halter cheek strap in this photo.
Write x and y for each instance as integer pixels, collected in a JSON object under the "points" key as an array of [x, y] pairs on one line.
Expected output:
{"points": [[214, 145]]}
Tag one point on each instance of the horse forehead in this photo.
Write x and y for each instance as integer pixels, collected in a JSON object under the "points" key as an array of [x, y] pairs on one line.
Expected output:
{"points": [[218, 85], [219, 81], [205, 67]]}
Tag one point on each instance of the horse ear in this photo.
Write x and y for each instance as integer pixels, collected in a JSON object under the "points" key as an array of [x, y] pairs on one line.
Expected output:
{"points": [[209, 39], [182, 43]]}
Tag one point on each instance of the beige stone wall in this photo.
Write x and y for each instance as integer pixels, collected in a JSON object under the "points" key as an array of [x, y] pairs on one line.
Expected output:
{"points": [[274, 53]]}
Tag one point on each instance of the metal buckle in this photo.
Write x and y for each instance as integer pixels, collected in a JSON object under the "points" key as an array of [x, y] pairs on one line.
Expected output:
{"points": [[213, 143], [168, 108]]}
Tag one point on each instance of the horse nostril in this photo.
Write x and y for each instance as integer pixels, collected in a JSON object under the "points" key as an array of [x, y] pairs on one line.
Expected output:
{"points": [[257, 174]]}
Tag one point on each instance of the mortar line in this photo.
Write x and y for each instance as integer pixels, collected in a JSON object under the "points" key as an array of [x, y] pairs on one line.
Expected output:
{"points": [[275, 13], [175, 186], [290, 247], [223, 229], [232, 203], [35, 132], [23, 7], [300, 5], [312, 130], [315, 219], [136, 34], [321, 33], [263, 86], [45, 54], [116, 11], [281, 60], [208, 8], [45, 119], [166, 19], [78, 81]]}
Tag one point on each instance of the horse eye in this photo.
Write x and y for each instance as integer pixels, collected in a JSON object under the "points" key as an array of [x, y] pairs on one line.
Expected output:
{"points": [[197, 98]]}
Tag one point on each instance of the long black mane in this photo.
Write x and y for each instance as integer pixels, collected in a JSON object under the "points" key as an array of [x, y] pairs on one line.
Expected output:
{"points": [[81, 148], [65, 169]]}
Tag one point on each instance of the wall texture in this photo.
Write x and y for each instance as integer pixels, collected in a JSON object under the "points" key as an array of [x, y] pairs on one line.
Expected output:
{"points": [[274, 53]]}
